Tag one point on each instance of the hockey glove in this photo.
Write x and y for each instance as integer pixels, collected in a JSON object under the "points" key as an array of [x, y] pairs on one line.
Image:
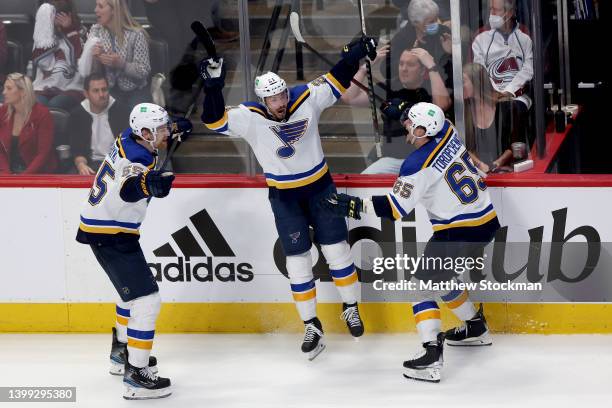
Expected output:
{"points": [[343, 205], [157, 184], [212, 71], [180, 129], [394, 108], [358, 49]]}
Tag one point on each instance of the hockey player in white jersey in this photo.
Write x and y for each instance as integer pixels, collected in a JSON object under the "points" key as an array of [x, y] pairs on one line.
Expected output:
{"points": [[440, 175], [110, 222], [282, 129]]}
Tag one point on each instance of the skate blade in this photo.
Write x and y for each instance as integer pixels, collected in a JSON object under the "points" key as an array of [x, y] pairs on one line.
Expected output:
{"points": [[426, 374], [137, 393], [314, 353], [118, 368], [482, 340]]}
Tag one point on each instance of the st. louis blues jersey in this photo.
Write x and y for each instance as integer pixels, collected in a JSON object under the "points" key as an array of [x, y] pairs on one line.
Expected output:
{"points": [[290, 151], [106, 216], [440, 175]]}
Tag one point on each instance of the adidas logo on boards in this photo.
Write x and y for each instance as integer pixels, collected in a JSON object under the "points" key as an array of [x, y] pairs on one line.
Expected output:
{"points": [[186, 269]]}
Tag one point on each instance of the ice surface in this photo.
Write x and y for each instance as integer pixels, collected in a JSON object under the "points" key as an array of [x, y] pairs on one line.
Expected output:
{"points": [[269, 370]]}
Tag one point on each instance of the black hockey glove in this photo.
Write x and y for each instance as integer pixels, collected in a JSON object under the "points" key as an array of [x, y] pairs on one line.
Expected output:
{"points": [[343, 205], [212, 71], [180, 129], [358, 49], [394, 108], [157, 184]]}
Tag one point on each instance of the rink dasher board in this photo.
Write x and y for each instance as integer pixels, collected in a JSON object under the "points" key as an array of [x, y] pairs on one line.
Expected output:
{"points": [[53, 283]]}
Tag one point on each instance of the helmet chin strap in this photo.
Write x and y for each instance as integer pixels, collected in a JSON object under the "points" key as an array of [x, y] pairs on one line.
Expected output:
{"points": [[412, 138]]}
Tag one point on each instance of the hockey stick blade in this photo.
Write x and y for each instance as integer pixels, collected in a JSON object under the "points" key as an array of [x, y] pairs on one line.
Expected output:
{"points": [[204, 37], [294, 20]]}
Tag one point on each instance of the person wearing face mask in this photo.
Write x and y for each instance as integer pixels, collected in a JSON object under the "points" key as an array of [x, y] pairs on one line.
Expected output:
{"points": [[441, 176], [506, 51], [428, 32]]}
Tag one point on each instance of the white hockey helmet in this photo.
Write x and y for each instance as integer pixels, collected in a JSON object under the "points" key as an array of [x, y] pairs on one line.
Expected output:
{"points": [[269, 84], [148, 116], [428, 116]]}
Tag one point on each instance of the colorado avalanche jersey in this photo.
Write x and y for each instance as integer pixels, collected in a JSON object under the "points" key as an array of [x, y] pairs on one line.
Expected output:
{"points": [[441, 175], [290, 151], [106, 215], [508, 59]]}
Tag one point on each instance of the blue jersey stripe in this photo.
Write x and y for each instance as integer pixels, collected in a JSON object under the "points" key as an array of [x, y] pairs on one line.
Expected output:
{"points": [[464, 216], [286, 177], [109, 223], [424, 306]]}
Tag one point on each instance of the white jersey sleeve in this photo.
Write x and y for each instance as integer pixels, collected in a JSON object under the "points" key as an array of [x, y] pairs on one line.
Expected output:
{"points": [[325, 91], [407, 192]]}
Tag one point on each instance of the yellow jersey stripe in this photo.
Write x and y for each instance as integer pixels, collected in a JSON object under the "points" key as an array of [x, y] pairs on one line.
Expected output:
{"points": [[298, 183], [107, 230], [347, 280], [467, 223], [218, 124], [122, 320], [299, 100], [141, 344], [121, 151], [254, 109], [335, 82], [427, 315], [396, 213], [304, 296], [438, 147], [453, 304]]}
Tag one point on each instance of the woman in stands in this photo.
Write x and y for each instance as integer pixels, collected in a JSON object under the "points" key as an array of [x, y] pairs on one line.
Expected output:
{"points": [[122, 50], [489, 129], [26, 130], [58, 44]]}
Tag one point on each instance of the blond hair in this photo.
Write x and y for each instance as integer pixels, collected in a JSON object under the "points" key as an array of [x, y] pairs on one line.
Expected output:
{"points": [[122, 20], [29, 99]]}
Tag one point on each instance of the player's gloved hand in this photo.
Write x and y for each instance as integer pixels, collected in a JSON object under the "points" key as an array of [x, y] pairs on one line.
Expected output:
{"points": [[212, 71], [156, 183], [394, 108], [343, 205], [358, 49], [180, 128]]}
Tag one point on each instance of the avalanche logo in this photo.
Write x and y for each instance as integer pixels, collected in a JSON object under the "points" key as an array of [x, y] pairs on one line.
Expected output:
{"points": [[206, 269], [503, 70], [289, 133]]}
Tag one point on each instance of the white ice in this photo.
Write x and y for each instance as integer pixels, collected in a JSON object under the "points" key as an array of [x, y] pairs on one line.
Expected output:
{"points": [[234, 370]]}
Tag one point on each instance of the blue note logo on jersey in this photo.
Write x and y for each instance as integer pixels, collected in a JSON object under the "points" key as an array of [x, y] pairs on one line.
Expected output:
{"points": [[289, 133]]}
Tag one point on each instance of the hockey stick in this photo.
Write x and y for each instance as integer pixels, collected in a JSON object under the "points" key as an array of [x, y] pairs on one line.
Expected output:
{"points": [[202, 36], [294, 20], [371, 86]]}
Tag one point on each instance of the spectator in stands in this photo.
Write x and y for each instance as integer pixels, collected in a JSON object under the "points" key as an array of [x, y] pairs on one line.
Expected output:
{"points": [[26, 130], [426, 31], [419, 81], [3, 52], [490, 128], [121, 49], [95, 124], [505, 49], [58, 44]]}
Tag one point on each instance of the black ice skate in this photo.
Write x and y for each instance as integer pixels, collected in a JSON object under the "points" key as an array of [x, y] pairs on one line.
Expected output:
{"points": [[313, 338], [142, 383], [350, 314], [473, 332], [427, 365], [117, 357]]}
